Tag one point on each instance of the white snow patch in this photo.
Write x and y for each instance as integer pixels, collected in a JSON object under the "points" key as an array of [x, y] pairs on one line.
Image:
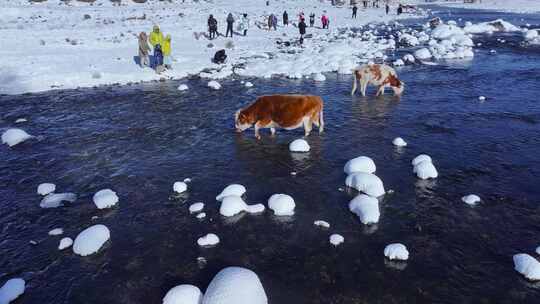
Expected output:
{"points": [[232, 205], [528, 266], [208, 240], [420, 158], [11, 290], [367, 183], [482, 98], [321, 223], [398, 63], [425, 170], [197, 207], [360, 164], [14, 137], [538, 250], [235, 285], [248, 84], [21, 120], [396, 251], [214, 85], [90, 240], [282, 204], [422, 54], [471, 199], [319, 77], [56, 231], [65, 243], [201, 215], [409, 58], [55, 200], [105, 198], [180, 187], [233, 189], [183, 294], [336, 239], [366, 208], [46, 188], [399, 142], [299, 145], [183, 87]]}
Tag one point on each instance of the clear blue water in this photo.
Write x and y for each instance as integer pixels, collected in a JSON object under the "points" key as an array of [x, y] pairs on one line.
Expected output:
{"points": [[140, 139]]}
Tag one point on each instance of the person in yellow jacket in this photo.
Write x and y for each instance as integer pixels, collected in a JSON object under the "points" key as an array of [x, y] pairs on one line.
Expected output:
{"points": [[156, 37], [166, 48]]}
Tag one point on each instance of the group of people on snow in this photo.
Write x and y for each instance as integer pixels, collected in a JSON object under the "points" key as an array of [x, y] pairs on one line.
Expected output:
{"points": [[161, 47], [243, 26]]}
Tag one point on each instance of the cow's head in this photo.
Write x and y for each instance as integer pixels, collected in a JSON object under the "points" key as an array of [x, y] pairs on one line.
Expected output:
{"points": [[397, 85], [241, 121]]}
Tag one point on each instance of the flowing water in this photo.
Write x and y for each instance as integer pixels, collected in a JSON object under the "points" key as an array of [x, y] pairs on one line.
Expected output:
{"points": [[140, 139]]}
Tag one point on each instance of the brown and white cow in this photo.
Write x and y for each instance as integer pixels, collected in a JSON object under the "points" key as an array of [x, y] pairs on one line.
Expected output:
{"points": [[282, 111], [378, 75]]}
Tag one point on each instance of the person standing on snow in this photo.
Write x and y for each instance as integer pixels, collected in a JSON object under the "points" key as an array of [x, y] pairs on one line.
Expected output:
{"points": [[325, 21], [212, 27], [285, 18], [302, 27], [274, 22], [311, 20], [230, 22], [354, 10], [387, 8], [156, 41], [144, 50], [243, 26], [166, 49]]}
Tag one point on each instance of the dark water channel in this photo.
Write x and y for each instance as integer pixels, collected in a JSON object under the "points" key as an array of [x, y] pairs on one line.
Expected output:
{"points": [[139, 140]]}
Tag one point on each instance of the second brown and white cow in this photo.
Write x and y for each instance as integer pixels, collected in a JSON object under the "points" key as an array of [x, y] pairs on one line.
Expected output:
{"points": [[379, 75], [282, 111]]}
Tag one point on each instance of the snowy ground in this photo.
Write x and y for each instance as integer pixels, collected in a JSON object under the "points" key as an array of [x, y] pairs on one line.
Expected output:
{"points": [[516, 6], [52, 45]]}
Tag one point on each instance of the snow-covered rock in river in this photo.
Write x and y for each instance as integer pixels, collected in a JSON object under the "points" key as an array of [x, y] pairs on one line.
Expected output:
{"points": [[56, 231], [367, 183], [208, 240], [360, 164], [46, 188], [235, 285], [528, 266], [11, 290], [183, 87], [319, 77], [399, 142], [425, 170], [232, 205], [396, 252], [482, 98], [197, 207], [65, 243], [14, 137], [409, 58], [336, 239], [366, 208], [248, 84], [498, 25], [105, 198], [234, 189], [322, 223], [282, 204], [214, 85], [471, 199], [299, 145], [179, 187], [183, 294], [55, 200], [398, 63], [90, 240], [420, 158], [201, 215], [422, 54]]}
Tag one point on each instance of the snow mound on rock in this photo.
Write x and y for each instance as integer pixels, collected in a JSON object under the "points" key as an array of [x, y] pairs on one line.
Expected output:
{"points": [[214, 85], [366, 208], [208, 240], [322, 223], [367, 183], [299, 145], [183, 294], [235, 285], [14, 137], [11, 290], [232, 205], [234, 189], [528, 266], [179, 187], [282, 204], [399, 142], [336, 239], [183, 87], [57, 231], [360, 164], [105, 198], [319, 77], [420, 158], [90, 240], [197, 207], [46, 188], [422, 54], [55, 200], [471, 199], [425, 170], [65, 243], [396, 251], [248, 84]]}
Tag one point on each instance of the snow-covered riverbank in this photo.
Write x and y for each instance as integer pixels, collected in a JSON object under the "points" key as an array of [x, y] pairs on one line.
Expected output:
{"points": [[52, 45], [515, 6]]}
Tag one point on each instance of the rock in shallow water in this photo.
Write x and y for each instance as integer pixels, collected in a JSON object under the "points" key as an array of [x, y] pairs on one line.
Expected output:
{"points": [[282, 204], [46, 188], [90, 240], [367, 183], [528, 266], [299, 145], [65, 243], [105, 199], [425, 170], [396, 251], [208, 240], [14, 137], [180, 187], [360, 164], [11, 290], [183, 294], [366, 208], [336, 239], [55, 200], [235, 285], [233, 189]]}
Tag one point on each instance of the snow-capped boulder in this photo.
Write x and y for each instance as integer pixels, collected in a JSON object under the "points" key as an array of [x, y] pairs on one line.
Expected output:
{"points": [[538, 250], [14, 137], [360, 164], [248, 84], [197, 207], [445, 31], [471, 199], [324, 224], [399, 142], [528, 266], [201, 215], [319, 77], [55, 200], [482, 98], [65, 243], [56, 231], [531, 34], [90, 240], [232, 205], [234, 189], [366, 208], [183, 294], [282, 204], [367, 183], [105, 198], [46, 188], [214, 85], [235, 285], [420, 158], [396, 252], [180, 187], [398, 63], [11, 290], [183, 87], [336, 239], [409, 40], [299, 145], [409, 58], [422, 54], [498, 25], [425, 170], [208, 240]]}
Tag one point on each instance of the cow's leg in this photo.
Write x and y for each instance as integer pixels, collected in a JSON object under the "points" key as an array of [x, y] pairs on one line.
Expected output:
{"points": [[307, 126], [257, 127], [380, 92], [355, 80], [364, 87], [273, 131]]}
